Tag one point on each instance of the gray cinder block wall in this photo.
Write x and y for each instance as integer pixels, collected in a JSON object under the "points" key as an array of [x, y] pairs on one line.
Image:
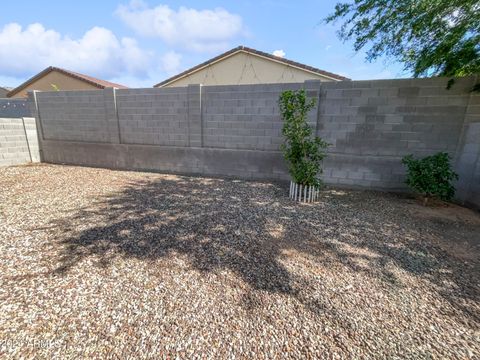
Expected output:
{"points": [[18, 141], [14, 108], [236, 130], [18, 134], [468, 154], [149, 117], [373, 124]]}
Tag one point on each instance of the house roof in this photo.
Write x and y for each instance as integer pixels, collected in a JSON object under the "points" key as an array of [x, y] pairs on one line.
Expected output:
{"points": [[257, 53], [101, 84]]}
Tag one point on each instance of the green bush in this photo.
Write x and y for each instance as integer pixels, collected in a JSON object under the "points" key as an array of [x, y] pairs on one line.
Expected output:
{"points": [[302, 150], [431, 176]]}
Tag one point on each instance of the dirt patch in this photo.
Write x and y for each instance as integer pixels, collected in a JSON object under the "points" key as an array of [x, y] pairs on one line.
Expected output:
{"points": [[461, 226], [451, 213]]}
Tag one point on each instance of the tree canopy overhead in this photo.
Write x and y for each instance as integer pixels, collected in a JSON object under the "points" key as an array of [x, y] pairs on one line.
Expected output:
{"points": [[430, 37]]}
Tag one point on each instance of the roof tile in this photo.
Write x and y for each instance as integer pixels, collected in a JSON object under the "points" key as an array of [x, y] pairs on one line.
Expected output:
{"points": [[101, 84]]}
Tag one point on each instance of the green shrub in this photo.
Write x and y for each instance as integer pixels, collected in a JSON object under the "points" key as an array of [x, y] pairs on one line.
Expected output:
{"points": [[431, 176], [302, 150]]}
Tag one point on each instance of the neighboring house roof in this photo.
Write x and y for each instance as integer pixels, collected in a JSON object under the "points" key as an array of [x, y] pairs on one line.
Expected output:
{"points": [[101, 84], [257, 53], [4, 91]]}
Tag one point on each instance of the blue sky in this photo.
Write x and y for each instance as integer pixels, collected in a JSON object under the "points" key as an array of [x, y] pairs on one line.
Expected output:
{"points": [[140, 43]]}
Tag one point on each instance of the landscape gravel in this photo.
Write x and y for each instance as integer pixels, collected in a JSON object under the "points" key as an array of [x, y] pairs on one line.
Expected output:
{"points": [[98, 263]]}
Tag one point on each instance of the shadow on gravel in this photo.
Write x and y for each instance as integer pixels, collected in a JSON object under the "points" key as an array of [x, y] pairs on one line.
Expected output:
{"points": [[250, 228]]}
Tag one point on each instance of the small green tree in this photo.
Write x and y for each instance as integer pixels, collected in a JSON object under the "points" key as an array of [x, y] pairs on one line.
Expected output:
{"points": [[431, 176], [302, 150]]}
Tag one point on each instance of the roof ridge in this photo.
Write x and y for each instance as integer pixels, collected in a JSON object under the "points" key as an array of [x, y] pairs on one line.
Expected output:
{"points": [[255, 52], [91, 78], [99, 83]]}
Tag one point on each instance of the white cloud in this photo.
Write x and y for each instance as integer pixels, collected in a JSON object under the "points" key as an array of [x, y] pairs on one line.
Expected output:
{"points": [[198, 30], [98, 52], [279, 53], [170, 62]]}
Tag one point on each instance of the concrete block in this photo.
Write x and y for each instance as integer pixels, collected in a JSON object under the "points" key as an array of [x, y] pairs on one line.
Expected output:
{"points": [[410, 91]]}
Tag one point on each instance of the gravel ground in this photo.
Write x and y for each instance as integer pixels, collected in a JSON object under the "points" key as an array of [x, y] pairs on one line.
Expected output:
{"points": [[97, 263]]}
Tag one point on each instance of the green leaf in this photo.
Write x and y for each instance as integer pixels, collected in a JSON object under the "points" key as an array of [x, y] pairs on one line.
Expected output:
{"points": [[430, 37], [431, 176], [302, 150]]}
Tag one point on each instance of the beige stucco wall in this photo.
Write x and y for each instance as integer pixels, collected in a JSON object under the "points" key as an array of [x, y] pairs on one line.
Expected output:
{"points": [[246, 68], [62, 81]]}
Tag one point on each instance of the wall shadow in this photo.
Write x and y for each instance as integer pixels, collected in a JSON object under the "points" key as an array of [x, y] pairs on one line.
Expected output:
{"points": [[247, 228]]}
